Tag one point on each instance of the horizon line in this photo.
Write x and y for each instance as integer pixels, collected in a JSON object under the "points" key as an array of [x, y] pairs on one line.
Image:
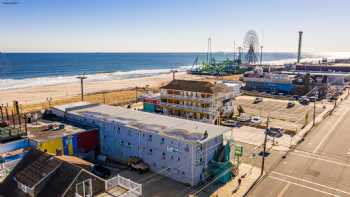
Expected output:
{"points": [[307, 52]]}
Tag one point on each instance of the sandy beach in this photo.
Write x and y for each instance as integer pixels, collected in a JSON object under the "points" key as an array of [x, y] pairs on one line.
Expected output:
{"points": [[38, 94]]}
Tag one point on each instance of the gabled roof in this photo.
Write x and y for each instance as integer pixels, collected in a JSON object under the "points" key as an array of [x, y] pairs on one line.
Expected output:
{"points": [[61, 179], [35, 172], [196, 86]]}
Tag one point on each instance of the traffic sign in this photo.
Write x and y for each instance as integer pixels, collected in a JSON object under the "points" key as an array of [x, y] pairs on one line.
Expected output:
{"points": [[238, 150]]}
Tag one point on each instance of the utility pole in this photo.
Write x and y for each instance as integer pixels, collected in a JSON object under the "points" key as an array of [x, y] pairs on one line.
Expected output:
{"points": [[2, 114], [104, 97], [7, 112], [136, 94], [174, 71], [264, 153], [82, 77]]}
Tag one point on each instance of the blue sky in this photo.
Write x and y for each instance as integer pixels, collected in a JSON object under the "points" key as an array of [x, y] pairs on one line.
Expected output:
{"points": [[172, 25]]}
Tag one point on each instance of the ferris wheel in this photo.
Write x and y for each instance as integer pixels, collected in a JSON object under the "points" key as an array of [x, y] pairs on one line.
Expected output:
{"points": [[251, 45]]}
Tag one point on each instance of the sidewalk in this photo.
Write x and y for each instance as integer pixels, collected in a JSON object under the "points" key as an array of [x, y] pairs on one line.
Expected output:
{"points": [[231, 188], [318, 120]]}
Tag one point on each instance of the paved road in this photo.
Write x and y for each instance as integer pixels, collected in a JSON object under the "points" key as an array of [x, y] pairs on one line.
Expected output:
{"points": [[320, 166]]}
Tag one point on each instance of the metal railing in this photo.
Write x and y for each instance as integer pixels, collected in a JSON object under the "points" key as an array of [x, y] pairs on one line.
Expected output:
{"points": [[195, 98], [187, 107]]}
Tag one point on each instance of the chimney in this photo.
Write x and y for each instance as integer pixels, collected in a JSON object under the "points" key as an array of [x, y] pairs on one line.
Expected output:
{"points": [[299, 46]]}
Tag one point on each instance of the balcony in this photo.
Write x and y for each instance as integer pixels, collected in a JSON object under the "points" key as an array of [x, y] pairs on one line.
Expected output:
{"points": [[194, 98], [187, 107]]}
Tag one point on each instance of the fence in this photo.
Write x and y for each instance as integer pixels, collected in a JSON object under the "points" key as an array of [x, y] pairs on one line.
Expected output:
{"points": [[134, 189]]}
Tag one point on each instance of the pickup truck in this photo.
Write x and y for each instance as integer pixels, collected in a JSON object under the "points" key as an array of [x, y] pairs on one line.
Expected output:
{"points": [[136, 163]]}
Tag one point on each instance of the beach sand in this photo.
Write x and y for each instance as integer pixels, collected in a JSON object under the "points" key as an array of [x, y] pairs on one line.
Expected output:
{"points": [[117, 91]]}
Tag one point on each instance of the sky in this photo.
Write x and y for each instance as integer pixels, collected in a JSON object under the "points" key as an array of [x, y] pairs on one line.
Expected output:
{"points": [[172, 25]]}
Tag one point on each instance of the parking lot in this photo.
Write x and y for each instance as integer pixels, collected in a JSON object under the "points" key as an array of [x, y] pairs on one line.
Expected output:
{"points": [[291, 119]]}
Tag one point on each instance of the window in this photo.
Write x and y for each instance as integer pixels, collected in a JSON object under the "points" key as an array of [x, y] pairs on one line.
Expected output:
{"points": [[187, 148], [122, 142], [150, 138], [178, 159], [129, 132], [162, 141], [150, 151], [129, 145], [84, 188]]}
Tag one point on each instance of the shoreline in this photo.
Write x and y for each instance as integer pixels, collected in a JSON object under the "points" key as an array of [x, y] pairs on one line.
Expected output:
{"points": [[39, 94]]}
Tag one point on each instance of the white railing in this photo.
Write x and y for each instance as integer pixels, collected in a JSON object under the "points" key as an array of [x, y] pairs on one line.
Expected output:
{"points": [[196, 98], [134, 189], [193, 108]]}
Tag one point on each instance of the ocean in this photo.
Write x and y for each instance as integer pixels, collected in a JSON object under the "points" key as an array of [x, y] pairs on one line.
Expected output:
{"points": [[19, 70]]}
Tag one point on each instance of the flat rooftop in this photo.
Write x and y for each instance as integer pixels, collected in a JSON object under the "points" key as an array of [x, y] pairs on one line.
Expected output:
{"points": [[180, 129], [47, 129]]}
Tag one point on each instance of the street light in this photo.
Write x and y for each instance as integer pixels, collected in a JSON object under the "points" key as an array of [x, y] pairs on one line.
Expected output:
{"points": [[82, 77]]}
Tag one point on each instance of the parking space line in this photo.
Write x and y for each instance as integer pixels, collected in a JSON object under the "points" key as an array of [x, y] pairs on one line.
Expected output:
{"points": [[307, 181], [285, 188], [304, 186], [331, 130]]}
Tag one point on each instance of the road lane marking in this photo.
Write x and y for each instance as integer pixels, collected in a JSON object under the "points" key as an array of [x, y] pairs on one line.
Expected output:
{"points": [[307, 181], [321, 158], [304, 186], [283, 190], [330, 131]]}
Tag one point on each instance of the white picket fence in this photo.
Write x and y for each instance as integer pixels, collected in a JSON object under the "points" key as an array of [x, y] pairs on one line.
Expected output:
{"points": [[134, 189]]}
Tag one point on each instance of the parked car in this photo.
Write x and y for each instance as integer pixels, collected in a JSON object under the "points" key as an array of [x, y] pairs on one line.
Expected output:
{"points": [[258, 100], [231, 123], [275, 132], [296, 97], [255, 120], [304, 100], [136, 163], [101, 171], [244, 117], [290, 104], [313, 98]]}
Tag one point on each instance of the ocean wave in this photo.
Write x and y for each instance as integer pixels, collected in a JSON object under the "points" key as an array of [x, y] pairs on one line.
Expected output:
{"points": [[6, 84]]}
